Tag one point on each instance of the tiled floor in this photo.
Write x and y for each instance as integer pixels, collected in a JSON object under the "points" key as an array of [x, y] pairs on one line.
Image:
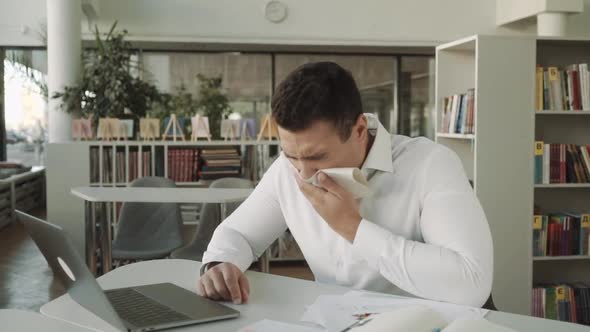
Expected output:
{"points": [[26, 282]]}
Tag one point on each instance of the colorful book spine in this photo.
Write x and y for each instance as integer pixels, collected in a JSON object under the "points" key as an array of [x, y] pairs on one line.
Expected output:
{"points": [[563, 89]]}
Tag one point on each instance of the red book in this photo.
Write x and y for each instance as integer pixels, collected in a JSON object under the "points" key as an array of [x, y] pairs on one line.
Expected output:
{"points": [[562, 164], [185, 165], [170, 164], [192, 163], [553, 234], [553, 163], [573, 304], [189, 164], [177, 166], [196, 166], [172, 168], [576, 88]]}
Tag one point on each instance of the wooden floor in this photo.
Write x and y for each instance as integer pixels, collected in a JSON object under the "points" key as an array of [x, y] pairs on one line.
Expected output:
{"points": [[26, 282]]}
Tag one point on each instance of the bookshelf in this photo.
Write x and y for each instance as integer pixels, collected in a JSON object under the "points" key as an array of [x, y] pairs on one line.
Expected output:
{"points": [[497, 68], [69, 165], [556, 126], [500, 160]]}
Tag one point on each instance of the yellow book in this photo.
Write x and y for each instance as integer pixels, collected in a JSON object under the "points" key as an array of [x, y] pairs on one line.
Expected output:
{"points": [[538, 222]]}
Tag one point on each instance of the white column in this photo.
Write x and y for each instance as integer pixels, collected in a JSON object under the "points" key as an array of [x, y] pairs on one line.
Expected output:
{"points": [[64, 30], [552, 24]]}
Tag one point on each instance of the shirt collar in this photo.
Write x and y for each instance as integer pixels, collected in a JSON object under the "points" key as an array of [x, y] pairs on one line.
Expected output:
{"points": [[379, 157]]}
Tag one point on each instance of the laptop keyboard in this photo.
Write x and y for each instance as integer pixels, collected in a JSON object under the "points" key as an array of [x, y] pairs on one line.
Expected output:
{"points": [[141, 310]]}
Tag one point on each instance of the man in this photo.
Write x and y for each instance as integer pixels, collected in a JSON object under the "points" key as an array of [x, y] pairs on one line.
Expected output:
{"points": [[421, 232]]}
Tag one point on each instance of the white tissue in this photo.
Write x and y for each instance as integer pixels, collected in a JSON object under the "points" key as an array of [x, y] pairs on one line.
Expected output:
{"points": [[350, 178]]}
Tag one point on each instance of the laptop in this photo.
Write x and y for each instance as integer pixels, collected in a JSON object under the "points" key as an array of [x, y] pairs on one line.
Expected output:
{"points": [[140, 308]]}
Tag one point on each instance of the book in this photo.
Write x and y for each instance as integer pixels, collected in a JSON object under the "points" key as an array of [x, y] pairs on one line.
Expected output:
{"points": [[217, 163], [539, 88], [458, 113], [561, 163], [562, 301], [563, 89], [538, 174], [471, 110], [561, 234], [555, 89]]}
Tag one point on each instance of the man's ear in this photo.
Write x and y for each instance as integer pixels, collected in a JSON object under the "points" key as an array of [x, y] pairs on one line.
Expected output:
{"points": [[360, 127]]}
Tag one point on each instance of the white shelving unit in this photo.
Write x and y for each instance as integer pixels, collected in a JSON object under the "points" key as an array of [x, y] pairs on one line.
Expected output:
{"points": [[561, 258], [568, 113], [563, 186], [456, 136], [497, 157]]}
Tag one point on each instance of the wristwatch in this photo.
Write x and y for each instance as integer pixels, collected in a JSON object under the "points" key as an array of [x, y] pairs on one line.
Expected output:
{"points": [[205, 267]]}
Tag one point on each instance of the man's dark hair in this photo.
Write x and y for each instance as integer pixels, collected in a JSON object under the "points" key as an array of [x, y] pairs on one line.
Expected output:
{"points": [[317, 91]]}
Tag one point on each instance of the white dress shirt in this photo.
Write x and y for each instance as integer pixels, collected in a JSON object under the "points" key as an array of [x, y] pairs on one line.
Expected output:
{"points": [[423, 231]]}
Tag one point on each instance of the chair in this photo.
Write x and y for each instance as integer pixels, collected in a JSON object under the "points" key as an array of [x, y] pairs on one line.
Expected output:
{"points": [[148, 230], [209, 220], [490, 304]]}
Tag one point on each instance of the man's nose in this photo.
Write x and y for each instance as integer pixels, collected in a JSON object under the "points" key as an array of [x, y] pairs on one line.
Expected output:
{"points": [[305, 171]]}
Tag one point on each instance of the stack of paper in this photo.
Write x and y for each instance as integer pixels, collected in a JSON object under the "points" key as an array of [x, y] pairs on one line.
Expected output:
{"points": [[372, 312], [337, 312]]}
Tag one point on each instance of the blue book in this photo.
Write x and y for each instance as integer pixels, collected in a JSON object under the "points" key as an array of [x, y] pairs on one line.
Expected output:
{"points": [[539, 147], [460, 114]]}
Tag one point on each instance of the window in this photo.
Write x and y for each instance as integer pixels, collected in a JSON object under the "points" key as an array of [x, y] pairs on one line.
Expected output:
{"points": [[246, 78], [375, 77], [25, 105], [417, 96], [398, 89]]}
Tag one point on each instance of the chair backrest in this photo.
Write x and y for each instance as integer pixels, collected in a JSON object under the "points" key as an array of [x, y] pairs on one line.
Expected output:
{"points": [[210, 217], [237, 183], [150, 224]]}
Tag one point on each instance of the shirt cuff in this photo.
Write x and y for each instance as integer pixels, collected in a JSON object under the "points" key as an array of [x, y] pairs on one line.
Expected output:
{"points": [[371, 242]]}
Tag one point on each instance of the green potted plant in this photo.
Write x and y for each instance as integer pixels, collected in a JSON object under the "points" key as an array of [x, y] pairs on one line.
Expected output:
{"points": [[107, 87], [181, 103], [213, 102]]}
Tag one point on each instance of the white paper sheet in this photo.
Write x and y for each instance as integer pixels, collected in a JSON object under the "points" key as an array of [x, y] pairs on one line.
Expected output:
{"points": [[268, 325], [414, 318], [479, 325]]}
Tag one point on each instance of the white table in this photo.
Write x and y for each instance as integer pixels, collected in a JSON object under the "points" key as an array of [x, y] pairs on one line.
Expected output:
{"points": [[97, 210], [29, 321], [271, 296]]}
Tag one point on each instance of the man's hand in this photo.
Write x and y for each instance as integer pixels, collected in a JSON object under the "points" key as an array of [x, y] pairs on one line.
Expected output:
{"points": [[337, 206], [224, 281]]}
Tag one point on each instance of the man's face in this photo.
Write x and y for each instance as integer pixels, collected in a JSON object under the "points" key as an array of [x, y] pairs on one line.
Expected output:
{"points": [[319, 147]]}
